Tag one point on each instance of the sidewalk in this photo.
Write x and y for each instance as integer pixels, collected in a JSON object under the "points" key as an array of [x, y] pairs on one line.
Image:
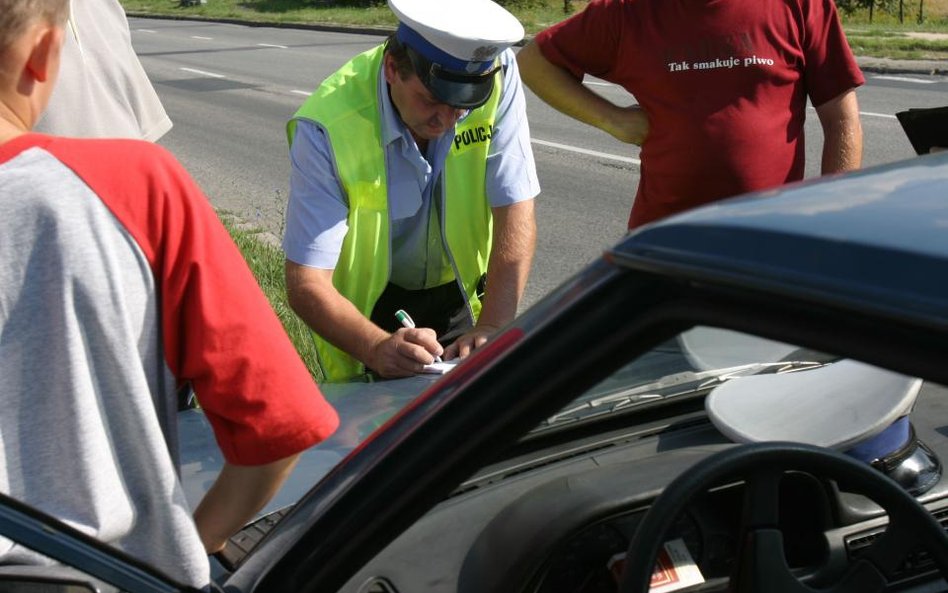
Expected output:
{"points": [[889, 66], [886, 65]]}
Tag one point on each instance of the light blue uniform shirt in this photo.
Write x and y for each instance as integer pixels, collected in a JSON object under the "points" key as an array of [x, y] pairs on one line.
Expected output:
{"points": [[317, 213]]}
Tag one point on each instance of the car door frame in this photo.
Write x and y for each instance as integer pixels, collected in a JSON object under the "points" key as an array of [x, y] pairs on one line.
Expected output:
{"points": [[497, 396]]}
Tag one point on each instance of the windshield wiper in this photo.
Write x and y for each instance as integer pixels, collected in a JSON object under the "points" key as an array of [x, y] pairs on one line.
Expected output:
{"points": [[686, 382]]}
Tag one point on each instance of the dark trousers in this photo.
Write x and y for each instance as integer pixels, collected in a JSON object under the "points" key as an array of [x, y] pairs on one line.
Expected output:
{"points": [[441, 308]]}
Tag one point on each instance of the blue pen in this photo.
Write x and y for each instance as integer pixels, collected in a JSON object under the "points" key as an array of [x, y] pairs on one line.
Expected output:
{"points": [[405, 319]]}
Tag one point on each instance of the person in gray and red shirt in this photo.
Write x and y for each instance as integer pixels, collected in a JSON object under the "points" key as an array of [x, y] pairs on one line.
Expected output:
{"points": [[721, 85], [118, 283]]}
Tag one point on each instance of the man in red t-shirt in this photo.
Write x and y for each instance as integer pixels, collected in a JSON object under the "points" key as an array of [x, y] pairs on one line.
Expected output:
{"points": [[722, 88]]}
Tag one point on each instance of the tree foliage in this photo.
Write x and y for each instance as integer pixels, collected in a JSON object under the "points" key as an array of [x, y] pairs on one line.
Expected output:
{"points": [[904, 9], [851, 6]]}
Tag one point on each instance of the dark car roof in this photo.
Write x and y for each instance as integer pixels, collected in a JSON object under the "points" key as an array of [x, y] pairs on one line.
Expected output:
{"points": [[877, 238]]}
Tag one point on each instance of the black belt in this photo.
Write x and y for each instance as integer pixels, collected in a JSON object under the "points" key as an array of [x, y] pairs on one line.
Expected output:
{"points": [[442, 308]]}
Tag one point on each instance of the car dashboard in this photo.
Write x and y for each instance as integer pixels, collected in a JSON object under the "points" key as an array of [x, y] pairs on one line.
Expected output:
{"points": [[556, 520]]}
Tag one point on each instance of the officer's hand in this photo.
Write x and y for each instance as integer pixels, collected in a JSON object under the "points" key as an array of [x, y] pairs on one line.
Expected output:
{"points": [[463, 346], [629, 124], [405, 352]]}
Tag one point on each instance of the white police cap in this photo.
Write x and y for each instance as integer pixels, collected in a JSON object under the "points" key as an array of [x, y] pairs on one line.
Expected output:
{"points": [[453, 45], [855, 408], [838, 406]]}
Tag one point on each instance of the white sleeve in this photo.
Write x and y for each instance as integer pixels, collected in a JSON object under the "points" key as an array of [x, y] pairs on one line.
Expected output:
{"points": [[511, 170]]}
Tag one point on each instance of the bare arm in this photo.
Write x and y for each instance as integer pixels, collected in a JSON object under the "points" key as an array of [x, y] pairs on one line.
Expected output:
{"points": [[842, 133], [568, 95], [314, 298], [235, 497], [514, 241]]}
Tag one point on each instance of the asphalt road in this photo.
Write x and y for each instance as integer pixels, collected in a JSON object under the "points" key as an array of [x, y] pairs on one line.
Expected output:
{"points": [[230, 89]]}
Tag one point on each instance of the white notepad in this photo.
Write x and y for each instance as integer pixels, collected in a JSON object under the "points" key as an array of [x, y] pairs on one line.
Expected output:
{"points": [[440, 368]]}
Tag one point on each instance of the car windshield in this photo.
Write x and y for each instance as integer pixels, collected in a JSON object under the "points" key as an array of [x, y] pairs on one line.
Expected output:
{"points": [[689, 364]]}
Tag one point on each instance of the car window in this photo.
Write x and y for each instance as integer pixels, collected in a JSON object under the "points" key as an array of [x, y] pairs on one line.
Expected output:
{"points": [[691, 364]]}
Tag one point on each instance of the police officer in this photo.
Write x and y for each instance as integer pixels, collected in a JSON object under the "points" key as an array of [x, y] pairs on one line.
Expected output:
{"points": [[412, 188]]}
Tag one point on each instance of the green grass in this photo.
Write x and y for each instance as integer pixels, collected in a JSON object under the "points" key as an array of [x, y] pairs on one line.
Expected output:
{"points": [[316, 12], [266, 263], [885, 37], [267, 11], [898, 47]]}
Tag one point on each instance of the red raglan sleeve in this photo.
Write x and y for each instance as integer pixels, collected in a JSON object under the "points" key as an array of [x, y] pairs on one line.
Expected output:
{"points": [[219, 331]]}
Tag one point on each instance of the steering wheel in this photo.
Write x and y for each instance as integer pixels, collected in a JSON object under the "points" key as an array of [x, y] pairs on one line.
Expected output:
{"points": [[760, 563]]}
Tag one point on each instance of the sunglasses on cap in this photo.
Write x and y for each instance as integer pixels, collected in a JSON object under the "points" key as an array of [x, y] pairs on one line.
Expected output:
{"points": [[460, 90]]}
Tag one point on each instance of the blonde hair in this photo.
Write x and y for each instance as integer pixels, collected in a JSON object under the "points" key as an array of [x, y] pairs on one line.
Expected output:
{"points": [[15, 15]]}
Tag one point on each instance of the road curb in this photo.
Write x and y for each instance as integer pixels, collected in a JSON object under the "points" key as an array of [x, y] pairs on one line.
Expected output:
{"points": [[888, 66], [867, 64]]}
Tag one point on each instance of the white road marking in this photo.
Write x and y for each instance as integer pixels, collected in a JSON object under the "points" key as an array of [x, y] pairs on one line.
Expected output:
{"points": [[595, 153], [203, 73], [199, 37], [272, 45], [615, 157], [905, 79], [866, 113], [145, 31], [875, 76], [871, 114]]}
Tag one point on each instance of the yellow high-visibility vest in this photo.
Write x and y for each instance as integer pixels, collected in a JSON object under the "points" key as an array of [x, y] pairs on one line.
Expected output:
{"points": [[346, 106]]}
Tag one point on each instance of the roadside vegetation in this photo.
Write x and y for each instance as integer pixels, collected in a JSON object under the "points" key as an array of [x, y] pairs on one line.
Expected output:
{"points": [[881, 34], [881, 41], [266, 263]]}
